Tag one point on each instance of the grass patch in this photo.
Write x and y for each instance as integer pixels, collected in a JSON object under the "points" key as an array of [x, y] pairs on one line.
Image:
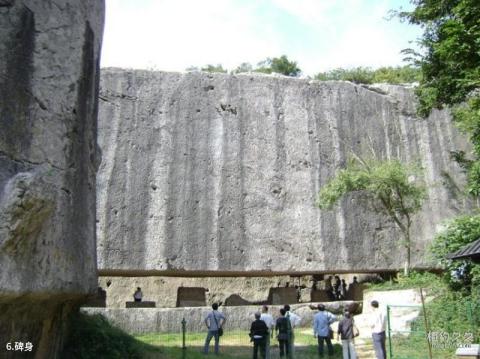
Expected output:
{"points": [[415, 347], [233, 344], [428, 280], [452, 316], [93, 337]]}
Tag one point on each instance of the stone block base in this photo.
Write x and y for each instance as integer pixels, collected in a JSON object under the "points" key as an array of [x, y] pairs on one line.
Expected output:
{"points": [[143, 304]]}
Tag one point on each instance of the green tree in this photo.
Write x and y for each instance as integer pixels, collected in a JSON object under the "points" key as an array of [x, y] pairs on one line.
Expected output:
{"points": [[213, 68], [365, 75], [281, 65], [207, 68], [451, 61], [243, 67], [397, 75], [390, 186], [457, 233], [450, 64], [358, 75]]}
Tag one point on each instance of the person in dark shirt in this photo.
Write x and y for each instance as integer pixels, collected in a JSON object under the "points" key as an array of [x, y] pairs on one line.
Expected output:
{"points": [[346, 332], [329, 288], [336, 287], [138, 295], [258, 334], [284, 330], [343, 290]]}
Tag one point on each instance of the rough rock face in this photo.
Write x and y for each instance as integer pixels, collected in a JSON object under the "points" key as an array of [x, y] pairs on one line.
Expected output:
{"points": [[120, 289], [49, 73], [217, 173], [164, 291]]}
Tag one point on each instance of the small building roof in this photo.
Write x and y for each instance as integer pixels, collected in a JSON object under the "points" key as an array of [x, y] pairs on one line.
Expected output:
{"points": [[471, 251]]}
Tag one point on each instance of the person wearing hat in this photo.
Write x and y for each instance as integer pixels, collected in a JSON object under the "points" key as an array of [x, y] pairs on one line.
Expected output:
{"points": [[378, 331], [258, 335], [346, 332], [322, 330]]}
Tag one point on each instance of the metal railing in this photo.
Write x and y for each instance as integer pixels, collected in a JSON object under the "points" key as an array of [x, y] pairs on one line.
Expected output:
{"points": [[234, 343]]}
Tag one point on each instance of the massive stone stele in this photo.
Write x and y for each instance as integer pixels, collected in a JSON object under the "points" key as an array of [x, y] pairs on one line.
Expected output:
{"points": [[49, 73], [215, 174]]}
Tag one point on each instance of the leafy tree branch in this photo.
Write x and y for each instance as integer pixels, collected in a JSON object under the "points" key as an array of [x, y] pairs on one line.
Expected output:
{"points": [[390, 185]]}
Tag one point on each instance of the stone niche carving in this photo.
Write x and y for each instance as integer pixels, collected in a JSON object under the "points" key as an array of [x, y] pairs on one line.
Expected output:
{"points": [[287, 295], [98, 300], [320, 295], [191, 297]]}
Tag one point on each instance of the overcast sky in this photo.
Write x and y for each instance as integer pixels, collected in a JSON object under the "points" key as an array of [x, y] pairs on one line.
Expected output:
{"points": [[319, 34]]}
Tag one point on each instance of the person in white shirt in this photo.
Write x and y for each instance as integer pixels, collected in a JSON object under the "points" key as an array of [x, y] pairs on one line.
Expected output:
{"points": [[294, 322], [268, 319], [378, 330]]}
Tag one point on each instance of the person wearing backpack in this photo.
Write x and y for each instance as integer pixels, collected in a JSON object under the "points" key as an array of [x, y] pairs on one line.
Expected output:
{"points": [[284, 333], [214, 322]]}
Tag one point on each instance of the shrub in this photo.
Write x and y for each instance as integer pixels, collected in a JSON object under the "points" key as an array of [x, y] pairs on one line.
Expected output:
{"points": [[459, 232], [94, 337], [366, 75]]}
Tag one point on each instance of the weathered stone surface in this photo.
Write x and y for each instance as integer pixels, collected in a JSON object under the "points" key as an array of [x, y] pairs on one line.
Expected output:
{"points": [[191, 297], [287, 295], [98, 300], [162, 320], [167, 291], [143, 304], [48, 107], [217, 173]]}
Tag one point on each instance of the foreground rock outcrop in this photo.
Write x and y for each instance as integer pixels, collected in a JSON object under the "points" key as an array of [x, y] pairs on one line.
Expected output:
{"points": [[217, 173], [49, 73]]}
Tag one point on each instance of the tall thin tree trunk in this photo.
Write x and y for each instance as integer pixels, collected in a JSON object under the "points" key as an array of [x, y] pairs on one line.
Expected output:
{"points": [[406, 270]]}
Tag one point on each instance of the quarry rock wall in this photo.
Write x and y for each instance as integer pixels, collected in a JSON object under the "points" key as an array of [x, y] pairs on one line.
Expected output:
{"points": [[49, 76], [164, 291], [217, 173]]}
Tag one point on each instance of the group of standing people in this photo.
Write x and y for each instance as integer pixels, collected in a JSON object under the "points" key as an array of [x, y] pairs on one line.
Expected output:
{"points": [[338, 289], [346, 332], [264, 327], [261, 331]]}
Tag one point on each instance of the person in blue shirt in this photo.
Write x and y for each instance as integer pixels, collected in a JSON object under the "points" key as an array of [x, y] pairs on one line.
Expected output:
{"points": [[214, 322], [322, 330]]}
